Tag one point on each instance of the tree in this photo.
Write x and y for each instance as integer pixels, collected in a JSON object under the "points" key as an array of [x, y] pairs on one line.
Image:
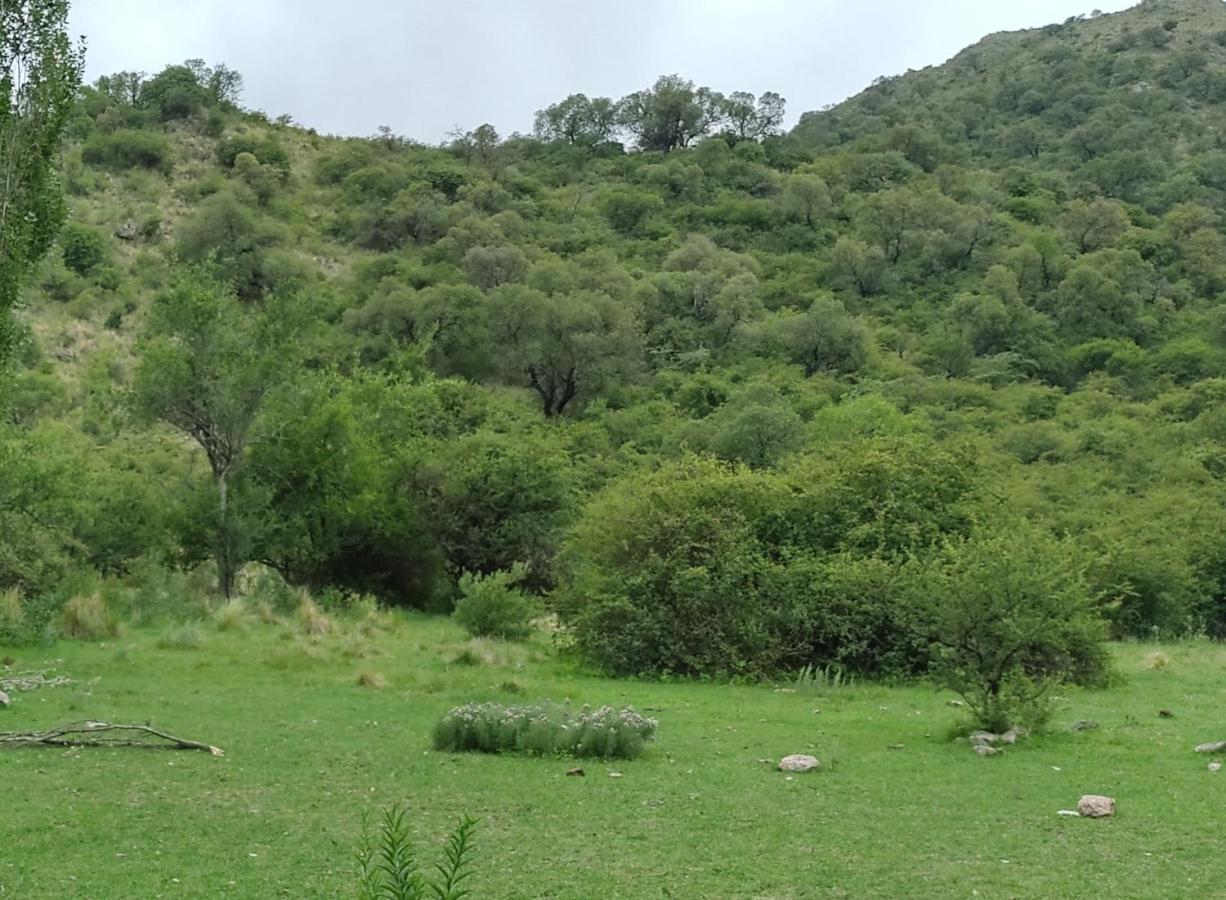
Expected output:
{"points": [[40, 71], [750, 118], [671, 114], [207, 364], [124, 86], [578, 121], [175, 92], [823, 338], [807, 198], [562, 346], [1094, 225]]}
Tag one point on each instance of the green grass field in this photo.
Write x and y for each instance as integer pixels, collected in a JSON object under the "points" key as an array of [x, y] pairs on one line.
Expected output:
{"points": [[899, 809]]}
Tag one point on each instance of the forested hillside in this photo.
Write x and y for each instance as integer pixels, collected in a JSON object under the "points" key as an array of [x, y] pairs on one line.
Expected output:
{"points": [[730, 400]]}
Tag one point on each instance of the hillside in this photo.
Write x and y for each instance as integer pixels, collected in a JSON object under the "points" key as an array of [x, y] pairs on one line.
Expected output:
{"points": [[999, 281]]}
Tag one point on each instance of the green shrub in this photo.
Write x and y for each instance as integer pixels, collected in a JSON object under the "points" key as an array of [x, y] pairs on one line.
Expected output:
{"points": [[267, 151], [128, 150], [490, 607], [1010, 616], [84, 248], [709, 569], [545, 729], [388, 867]]}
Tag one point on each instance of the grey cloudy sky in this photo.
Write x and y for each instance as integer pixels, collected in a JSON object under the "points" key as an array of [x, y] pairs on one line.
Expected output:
{"points": [[348, 66]]}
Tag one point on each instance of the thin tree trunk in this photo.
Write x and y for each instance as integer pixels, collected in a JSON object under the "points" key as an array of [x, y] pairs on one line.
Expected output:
{"points": [[225, 564]]}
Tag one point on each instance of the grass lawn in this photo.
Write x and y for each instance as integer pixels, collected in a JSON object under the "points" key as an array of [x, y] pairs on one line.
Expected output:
{"points": [[898, 810]]}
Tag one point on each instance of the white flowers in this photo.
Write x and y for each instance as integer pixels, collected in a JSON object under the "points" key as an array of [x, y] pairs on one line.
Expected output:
{"points": [[545, 728]]}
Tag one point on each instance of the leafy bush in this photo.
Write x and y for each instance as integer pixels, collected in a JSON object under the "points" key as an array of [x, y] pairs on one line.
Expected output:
{"points": [[128, 150], [388, 868], [709, 569], [546, 729], [490, 607], [1011, 617], [268, 151], [84, 248]]}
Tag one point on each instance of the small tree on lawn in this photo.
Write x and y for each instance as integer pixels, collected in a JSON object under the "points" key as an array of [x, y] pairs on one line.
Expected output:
{"points": [[208, 362], [1010, 617]]}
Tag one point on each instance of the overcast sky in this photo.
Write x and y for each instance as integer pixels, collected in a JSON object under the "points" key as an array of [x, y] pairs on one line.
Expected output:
{"points": [[348, 66]]}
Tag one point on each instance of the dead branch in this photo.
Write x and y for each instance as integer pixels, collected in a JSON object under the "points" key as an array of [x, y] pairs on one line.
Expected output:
{"points": [[32, 681], [95, 734]]}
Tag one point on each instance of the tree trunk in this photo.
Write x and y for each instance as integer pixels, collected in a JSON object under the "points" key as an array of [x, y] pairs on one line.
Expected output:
{"points": [[225, 560]]}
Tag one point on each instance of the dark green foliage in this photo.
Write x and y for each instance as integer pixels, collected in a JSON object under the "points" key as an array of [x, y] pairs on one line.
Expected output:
{"points": [[267, 151], [128, 149], [545, 729], [707, 569], [85, 249], [174, 93]]}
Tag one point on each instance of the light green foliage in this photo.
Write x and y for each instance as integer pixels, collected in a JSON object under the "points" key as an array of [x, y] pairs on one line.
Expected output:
{"points": [[489, 605], [1012, 617]]}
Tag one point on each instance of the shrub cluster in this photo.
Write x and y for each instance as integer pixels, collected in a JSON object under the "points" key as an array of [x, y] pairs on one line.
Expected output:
{"points": [[709, 569], [128, 150], [490, 607], [547, 729]]}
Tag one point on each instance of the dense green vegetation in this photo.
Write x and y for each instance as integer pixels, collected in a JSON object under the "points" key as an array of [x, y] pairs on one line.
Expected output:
{"points": [[729, 401]]}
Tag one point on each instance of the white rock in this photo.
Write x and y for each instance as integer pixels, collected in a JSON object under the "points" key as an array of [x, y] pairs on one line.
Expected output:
{"points": [[798, 762], [4, 699], [1212, 747], [1215, 766], [1096, 806], [1068, 812], [987, 750]]}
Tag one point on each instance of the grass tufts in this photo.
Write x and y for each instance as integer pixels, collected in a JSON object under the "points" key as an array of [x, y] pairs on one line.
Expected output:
{"points": [[87, 617], [811, 680], [232, 615], [311, 619], [186, 636]]}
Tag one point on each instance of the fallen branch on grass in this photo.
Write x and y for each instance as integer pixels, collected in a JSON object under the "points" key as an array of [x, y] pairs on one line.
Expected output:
{"points": [[32, 681], [97, 734]]}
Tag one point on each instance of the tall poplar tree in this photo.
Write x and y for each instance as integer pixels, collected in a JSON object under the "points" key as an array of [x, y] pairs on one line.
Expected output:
{"points": [[40, 71]]}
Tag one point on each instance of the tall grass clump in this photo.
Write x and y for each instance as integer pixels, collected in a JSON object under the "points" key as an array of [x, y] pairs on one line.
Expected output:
{"points": [[87, 617], [812, 679], [388, 867], [12, 616], [490, 605], [545, 729], [185, 636]]}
